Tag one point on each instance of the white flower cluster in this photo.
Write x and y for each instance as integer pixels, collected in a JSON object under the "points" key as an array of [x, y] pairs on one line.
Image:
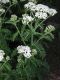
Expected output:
{"points": [[26, 19], [41, 7], [7, 58], [41, 15], [2, 10], [25, 50], [41, 11], [13, 17], [4, 1], [49, 28], [29, 5], [1, 55], [52, 12]]}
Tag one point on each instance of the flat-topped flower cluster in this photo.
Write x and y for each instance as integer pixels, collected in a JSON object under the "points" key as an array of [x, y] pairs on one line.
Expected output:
{"points": [[26, 19], [25, 50], [40, 11], [2, 54], [40, 8]]}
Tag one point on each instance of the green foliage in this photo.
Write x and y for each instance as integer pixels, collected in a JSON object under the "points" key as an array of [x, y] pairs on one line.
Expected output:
{"points": [[34, 34]]}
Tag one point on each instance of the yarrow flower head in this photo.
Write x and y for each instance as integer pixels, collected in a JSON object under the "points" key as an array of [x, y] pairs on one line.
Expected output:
{"points": [[2, 10], [13, 17], [7, 58], [27, 19], [33, 8], [4, 1], [34, 52], [41, 7], [49, 28], [41, 15], [25, 50], [52, 12], [1, 55], [29, 5], [41, 11]]}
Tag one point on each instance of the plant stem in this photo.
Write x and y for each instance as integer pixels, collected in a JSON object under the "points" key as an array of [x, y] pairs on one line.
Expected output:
{"points": [[17, 30], [22, 31], [20, 35], [42, 36], [3, 65], [8, 9], [30, 27], [31, 39]]}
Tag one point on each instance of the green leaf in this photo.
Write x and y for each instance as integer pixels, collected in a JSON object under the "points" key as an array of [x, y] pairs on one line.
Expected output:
{"points": [[3, 44], [6, 33], [39, 47], [15, 36], [7, 67], [49, 37], [26, 35]]}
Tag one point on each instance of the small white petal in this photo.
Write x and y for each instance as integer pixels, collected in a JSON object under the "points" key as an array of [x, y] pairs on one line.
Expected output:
{"points": [[1, 58], [25, 50], [26, 19], [29, 5], [27, 55], [52, 12], [41, 15], [1, 55]]}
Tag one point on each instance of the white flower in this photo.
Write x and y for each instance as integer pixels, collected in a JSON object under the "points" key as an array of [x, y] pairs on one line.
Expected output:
{"points": [[4, 1], [27, 55], [43, 8], [25, 50], [26, 19], [2, 10], [41, 15], [34, 52], [2, 52], [7, 58], [13, 17], [20, 49], [29, 5], [33, 8], [49, 28], [1, 55], [44, 15], [52, 12], [40, 8]]}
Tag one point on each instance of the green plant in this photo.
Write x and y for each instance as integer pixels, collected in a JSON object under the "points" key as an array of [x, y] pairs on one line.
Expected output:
{"points": [[28, 32]]}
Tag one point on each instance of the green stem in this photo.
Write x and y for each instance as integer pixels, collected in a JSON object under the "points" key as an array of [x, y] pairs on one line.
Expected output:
{"points": [[3, 65], [17, 30], [30, 27], [42, 36], [39, 25], [31, 39], [20, 35], [8, 9], [22, 31], [36, 26]]}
